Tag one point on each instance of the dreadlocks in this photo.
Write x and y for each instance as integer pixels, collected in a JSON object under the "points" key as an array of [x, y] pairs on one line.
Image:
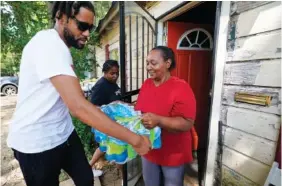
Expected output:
{"points": [[66, 7]]}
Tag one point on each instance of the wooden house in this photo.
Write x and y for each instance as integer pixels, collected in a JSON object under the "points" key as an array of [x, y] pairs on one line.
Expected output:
{"points": [[230, 54]]}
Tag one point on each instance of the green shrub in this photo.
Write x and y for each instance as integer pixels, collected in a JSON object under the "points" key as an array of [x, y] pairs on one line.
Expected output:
{"points": [[86, 137]]}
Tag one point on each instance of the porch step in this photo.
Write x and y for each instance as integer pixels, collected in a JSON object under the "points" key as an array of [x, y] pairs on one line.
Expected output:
{"points": [[191, 174], [69, 182]]}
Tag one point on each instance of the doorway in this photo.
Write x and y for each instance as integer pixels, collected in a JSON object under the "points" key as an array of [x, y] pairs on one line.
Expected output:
{"points": [[190, 35]]}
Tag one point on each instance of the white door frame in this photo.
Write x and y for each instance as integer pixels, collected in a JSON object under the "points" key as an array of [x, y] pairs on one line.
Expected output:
{"points": [[219, 62]]}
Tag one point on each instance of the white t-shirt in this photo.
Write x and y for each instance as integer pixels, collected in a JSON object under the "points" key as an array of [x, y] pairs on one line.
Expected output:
{"points": [[41, 120]]}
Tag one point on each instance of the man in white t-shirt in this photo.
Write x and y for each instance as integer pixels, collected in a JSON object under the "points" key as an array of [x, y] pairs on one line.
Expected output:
{"points": [[41, 133]]}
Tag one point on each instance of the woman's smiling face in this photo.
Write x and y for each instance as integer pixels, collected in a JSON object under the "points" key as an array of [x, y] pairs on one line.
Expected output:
{"points": [[157, 66]]}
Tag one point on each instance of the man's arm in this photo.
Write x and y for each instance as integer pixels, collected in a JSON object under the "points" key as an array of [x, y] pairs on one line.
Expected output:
{"points": [[72, 95]]}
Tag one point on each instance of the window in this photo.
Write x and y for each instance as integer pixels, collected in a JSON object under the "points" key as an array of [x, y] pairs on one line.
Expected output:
{"points": [[195, 39]]}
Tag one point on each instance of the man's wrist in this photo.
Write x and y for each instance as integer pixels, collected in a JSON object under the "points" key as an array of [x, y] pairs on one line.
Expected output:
{"points": [[135, 140]]}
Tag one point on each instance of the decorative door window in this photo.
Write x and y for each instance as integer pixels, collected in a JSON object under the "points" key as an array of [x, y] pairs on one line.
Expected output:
{"points": [[195, 39]]}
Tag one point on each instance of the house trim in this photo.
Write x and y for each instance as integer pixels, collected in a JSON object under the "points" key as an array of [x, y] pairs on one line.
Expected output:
{"points": [[218, 73], [178, 10]]}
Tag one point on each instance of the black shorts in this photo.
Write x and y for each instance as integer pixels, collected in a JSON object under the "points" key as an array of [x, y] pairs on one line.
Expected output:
{"points": [[43, 169]]}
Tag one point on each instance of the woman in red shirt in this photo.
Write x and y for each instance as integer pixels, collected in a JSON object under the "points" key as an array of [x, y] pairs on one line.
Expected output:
{"points": [[167, 102]]}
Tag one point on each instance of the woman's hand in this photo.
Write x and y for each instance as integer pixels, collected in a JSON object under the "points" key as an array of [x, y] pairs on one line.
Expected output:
{"points": [[150, 120]]}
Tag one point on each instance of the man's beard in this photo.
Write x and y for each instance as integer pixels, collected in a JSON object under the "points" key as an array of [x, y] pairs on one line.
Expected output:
{"points": [[70, 39]]}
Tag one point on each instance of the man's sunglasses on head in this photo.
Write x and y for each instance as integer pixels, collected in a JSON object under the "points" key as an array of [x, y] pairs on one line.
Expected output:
{"points": [[82, 26]]}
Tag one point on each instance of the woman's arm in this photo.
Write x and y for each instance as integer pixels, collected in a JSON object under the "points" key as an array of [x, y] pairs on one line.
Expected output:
{"points": [[176, 124], [173, 124]]}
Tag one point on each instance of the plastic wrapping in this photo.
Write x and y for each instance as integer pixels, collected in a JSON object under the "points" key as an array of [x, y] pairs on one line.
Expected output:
{"points": [[119, 151]]}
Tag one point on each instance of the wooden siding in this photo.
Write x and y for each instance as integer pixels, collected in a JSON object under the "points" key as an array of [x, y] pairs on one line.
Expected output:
{"points": [[258, 73], [250, 22], [230, 177], [247, 144], [275, 104], [253, 65], [246, 166], [262, 46], [239, 7]]}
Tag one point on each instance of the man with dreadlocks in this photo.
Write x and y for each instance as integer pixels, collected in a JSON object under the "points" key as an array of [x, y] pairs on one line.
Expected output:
{"points": [[41, 133]]}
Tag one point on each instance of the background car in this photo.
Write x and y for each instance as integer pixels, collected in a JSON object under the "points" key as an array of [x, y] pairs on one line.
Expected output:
{"points": [[9, 85]]}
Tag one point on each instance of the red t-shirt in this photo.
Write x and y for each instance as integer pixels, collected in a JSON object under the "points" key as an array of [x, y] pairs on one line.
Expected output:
{"points": [[172, 98]]}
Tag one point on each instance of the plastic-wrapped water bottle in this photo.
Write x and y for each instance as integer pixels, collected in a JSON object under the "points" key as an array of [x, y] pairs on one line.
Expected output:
{"points": [[116, 150]]}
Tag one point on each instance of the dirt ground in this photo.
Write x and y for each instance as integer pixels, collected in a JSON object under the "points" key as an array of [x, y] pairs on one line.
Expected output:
{"points": [[11, 174], [112, 176]]}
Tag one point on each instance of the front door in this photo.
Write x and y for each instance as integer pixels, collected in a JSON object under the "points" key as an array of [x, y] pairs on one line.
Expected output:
{"points": [[192, 44]]}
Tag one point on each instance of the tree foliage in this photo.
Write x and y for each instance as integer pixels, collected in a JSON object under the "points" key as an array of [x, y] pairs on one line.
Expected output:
{"points": [[21, 20]]}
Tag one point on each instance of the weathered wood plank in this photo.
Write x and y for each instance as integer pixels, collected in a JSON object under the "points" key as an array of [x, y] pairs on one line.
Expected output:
{"points": [[230, 90], [258, 148], [163, 7], [262, 46], [257, 123], [257, 20], [250, 168], [262, 73], [232, 178], [238, 7]]}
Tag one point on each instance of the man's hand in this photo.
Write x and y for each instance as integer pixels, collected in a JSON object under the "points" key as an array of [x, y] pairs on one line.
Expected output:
{"points": [[150, 120], [143, 146]]}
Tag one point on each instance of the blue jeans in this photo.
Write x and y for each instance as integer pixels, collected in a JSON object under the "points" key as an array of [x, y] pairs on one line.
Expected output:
{"points": [[173, 176]]}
